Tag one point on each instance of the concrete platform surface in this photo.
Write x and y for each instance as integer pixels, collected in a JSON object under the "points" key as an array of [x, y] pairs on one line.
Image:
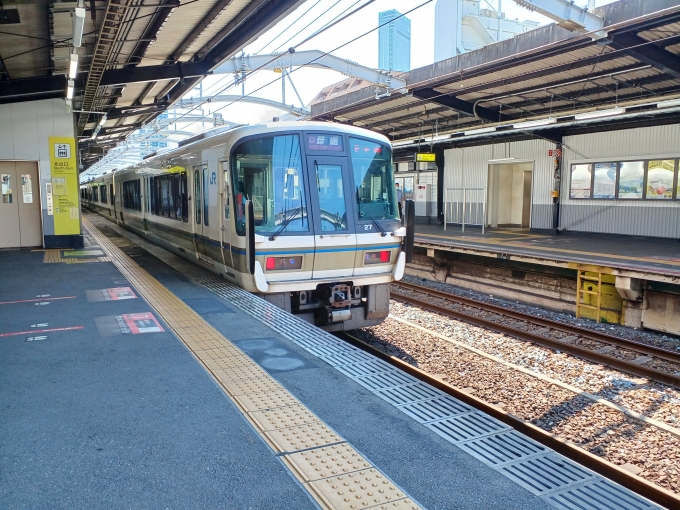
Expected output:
{"points": [[627, 253]]}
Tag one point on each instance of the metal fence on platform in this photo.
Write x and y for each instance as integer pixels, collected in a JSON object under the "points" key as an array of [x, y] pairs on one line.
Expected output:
{"points": [[465, 206]]}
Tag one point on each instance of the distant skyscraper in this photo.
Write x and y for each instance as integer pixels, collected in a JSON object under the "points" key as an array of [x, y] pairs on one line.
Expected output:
{"points": [[394, 42]]}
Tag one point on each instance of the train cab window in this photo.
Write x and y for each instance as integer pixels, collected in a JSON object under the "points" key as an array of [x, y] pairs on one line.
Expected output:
{"points": [[374, 180], [268, 171], [102, 193], [95, 193]]}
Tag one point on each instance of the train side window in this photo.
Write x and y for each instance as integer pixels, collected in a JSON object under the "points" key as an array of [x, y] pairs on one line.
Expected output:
{"points": [[197, 195], [131, 195], [165, 196], [95, 193], [111, 192], [158, 211], [183, 192], [206, 197], [102, 193]]}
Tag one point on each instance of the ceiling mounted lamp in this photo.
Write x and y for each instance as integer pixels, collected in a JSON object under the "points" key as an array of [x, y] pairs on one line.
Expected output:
{"points": [[480, 131], [502, 160], [73, 66], [440, 137], [534, 123], [78, 25], [600, 113], [402, 143], [668, 104], [70, 89]]}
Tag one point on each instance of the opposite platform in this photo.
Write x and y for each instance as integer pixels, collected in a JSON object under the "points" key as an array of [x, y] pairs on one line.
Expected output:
{"points": [[625, 255]]}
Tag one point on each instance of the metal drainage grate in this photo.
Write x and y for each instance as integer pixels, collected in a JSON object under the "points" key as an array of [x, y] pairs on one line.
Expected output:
{"points": [[599, 495], [369, 367], [409, 394], [384, 380], [331, 350], [550, 473], [436, 409], [503, 448], [466, 426], [347, 358]]}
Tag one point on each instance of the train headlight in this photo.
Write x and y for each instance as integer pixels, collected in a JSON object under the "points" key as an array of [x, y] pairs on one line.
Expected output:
{"points": [[283, 263], [377, 257]]}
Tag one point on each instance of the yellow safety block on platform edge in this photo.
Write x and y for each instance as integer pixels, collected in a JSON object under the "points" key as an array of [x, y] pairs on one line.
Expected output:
{"points": [[333, 473]]}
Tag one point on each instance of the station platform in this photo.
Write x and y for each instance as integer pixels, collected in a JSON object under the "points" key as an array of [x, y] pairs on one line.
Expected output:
{"points": [[639, 257], [132, 378]]}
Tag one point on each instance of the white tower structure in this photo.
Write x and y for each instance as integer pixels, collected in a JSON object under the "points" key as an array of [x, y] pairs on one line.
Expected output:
{"points": [[466, 25]]}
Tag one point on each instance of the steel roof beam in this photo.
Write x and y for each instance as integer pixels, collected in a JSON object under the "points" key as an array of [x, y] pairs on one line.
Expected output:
{"points": [[459, 105], [312, 58], [648, 53], [153, 73], [31, 88], [200, 27], [567, 15]]}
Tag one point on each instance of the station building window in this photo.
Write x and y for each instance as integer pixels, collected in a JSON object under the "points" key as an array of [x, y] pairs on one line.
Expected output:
{"points": [[645, 179]]}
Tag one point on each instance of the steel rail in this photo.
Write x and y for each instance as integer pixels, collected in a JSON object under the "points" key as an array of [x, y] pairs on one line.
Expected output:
{"points": [[603, 467], [582, 352]]}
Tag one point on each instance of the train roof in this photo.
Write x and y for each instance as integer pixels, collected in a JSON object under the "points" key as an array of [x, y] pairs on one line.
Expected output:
{"points": [[208, 138]]}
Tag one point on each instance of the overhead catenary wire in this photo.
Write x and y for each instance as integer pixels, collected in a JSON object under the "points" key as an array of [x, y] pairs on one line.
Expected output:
{"points": [[297, 68]]}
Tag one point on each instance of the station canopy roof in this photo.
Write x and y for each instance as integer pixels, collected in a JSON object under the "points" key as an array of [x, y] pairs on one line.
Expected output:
{"points": [[542, 83], [137, 56]]}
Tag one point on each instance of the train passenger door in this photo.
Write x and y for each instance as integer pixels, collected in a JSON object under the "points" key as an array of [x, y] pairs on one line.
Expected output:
{"points": [[225, 214], [334, 234], [200, 209]]}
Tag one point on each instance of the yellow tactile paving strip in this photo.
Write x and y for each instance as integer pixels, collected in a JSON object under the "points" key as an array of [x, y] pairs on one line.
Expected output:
{"points": [[281, 419]]}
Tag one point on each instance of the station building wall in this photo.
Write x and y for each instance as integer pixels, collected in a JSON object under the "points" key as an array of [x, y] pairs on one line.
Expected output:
{"points": [[655, 218], [24, 131], [468, 167]]}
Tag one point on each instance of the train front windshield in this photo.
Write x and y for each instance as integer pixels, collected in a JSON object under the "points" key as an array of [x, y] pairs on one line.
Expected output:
{"points": [[373, 179], [268, 171]]}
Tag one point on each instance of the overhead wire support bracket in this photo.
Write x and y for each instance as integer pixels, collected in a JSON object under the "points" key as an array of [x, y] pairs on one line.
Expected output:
{"points": [[568, 16]]}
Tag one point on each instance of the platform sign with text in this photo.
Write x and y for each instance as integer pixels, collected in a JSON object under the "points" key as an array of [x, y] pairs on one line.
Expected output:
{"points": [[426, 157], [65, 186]]}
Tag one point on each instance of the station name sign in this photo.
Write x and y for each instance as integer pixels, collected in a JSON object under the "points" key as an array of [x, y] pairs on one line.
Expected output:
{"points": [[426, 157]]}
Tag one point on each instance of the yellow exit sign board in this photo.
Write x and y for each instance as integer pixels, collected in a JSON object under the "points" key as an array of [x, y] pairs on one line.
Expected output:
{"points": [[425, 157]]}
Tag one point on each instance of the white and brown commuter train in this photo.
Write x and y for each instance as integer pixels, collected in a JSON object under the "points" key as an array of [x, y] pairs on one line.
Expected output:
{"points": [[303, 213]]}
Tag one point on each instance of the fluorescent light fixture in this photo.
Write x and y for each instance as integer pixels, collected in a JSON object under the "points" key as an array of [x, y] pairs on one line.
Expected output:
{"points": [[440, 137], [502, 160], [69, 90], [401, 143], [68, 106], [78, 24], [600, 113], [534, 123], [480, 131], [103, 120], [668, 104], [73, 66]]}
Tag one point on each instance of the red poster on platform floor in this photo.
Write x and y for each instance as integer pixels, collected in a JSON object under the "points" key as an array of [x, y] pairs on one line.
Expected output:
{"points": [[119, 293], [142, 323]]}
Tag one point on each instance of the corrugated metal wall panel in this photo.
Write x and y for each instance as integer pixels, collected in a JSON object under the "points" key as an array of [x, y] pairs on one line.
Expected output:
{"points": [[641, 217], [469, 167]]}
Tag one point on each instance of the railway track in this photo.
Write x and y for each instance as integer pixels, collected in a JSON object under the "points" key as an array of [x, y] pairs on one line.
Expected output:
{"points": [[570, 450], [642, 360]]}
